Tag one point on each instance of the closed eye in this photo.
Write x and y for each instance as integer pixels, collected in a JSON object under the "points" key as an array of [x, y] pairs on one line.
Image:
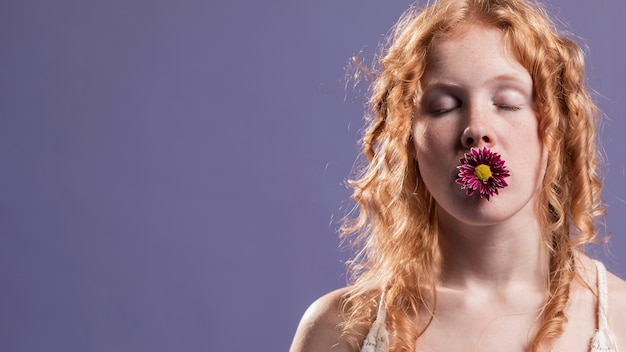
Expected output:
{"points": [[444, 105]]}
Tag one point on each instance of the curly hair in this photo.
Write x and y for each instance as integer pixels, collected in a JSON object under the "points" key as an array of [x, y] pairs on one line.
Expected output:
{"points": [[395, 224]]}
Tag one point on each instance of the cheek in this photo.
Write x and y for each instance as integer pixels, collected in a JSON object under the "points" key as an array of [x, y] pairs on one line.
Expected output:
{"points": [[530, 156], [427, 138], [434, 151]]}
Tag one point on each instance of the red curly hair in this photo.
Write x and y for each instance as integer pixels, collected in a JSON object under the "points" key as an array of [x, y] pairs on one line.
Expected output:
{"points": [[395, 227]]}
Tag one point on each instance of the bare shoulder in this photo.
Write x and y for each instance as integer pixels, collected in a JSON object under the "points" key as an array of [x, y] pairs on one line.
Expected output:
{"points": [[617, 308], [318, 330]]}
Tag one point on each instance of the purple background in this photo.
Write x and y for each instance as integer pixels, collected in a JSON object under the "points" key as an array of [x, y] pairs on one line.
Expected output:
{"points": [[172, 171]]}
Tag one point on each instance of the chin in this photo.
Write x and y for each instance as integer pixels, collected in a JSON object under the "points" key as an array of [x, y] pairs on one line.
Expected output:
{"points": [[476, 211]]}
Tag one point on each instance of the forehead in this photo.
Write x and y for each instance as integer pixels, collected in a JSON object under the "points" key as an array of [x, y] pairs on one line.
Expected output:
{"points": [[473, 50]]}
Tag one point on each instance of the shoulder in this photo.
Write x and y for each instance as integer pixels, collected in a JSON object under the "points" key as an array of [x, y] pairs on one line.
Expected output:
{"points": [[617, 308], [319, 329]]}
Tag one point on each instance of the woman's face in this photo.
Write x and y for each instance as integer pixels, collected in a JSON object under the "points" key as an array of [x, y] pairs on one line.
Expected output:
{"points": [[475, 93]]}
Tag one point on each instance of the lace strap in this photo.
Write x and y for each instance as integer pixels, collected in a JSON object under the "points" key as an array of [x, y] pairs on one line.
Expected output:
{"points": [[603, 305], [377, 339], [603, 340]]}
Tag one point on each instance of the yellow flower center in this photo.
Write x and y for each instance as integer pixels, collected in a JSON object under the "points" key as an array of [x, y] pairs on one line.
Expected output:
{"points": [[482, 172]]}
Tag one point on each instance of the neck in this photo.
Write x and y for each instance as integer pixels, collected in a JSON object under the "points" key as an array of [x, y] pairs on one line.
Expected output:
{"points": [[501, 257]]}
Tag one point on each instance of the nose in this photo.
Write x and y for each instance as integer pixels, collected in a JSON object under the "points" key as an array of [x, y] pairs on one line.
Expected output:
{"points": [[478, 132]]}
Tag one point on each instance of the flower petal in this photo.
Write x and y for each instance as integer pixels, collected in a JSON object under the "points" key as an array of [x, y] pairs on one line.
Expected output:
{"points": [[467, 172]]}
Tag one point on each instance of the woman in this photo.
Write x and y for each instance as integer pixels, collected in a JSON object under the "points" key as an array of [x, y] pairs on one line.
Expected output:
{"points": [[480, 193]]}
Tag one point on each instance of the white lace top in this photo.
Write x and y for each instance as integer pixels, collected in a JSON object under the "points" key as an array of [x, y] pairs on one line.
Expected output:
{"points": [[377, 339]]}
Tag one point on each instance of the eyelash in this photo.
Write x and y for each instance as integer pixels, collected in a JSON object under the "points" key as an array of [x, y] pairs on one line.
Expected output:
{"points": [[504, 107], [442, 112], [508, 107]]}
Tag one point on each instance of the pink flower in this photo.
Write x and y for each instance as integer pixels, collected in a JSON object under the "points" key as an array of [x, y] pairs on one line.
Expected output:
{"points": [[482, 170]]}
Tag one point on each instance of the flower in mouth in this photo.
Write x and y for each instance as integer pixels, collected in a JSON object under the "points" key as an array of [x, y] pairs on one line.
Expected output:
{"points": [[482, 170]]}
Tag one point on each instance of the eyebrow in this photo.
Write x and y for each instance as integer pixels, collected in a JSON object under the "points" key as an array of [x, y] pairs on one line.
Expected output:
{"points": [[509, 77], [513, 78]]}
